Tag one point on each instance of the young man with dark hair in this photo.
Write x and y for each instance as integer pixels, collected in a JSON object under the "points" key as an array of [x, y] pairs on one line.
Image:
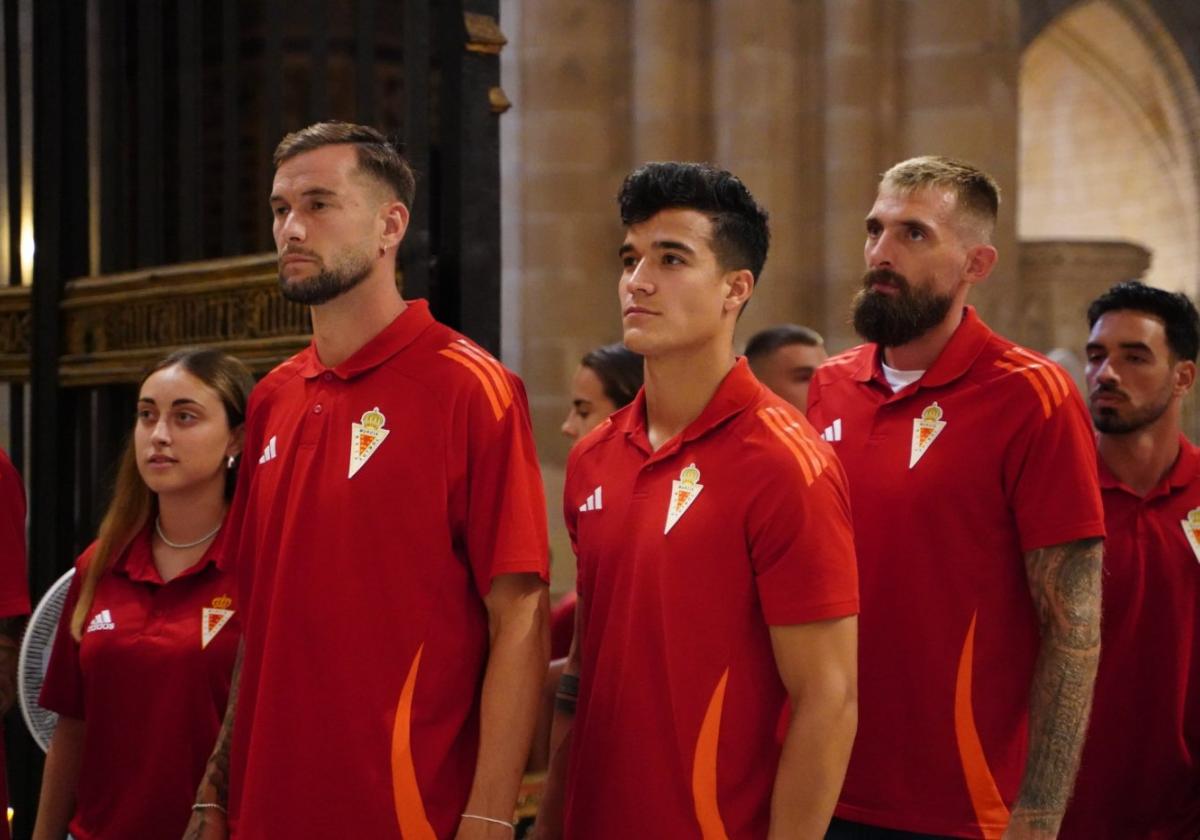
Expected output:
{"points": [[706, 601], [977, 521], [1138, 775], [390, 541], [784, 358]]}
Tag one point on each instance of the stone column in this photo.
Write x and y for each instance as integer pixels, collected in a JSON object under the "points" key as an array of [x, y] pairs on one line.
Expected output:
{"points": [[959, 68], [767, 129], [672, 114], [1060, 278]]}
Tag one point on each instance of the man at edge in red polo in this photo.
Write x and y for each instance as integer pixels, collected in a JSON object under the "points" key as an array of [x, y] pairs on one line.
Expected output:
{"points": [[1137, 779], [716, 563], [978, 524], [390, 539]]}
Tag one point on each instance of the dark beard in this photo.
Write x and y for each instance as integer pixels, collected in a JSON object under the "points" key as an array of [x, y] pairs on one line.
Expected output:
{"points": [[1110, 422], [325, 285], [896, 319]]}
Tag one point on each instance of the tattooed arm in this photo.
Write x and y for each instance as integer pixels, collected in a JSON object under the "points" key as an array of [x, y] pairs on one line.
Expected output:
{"points": [[210, 823], [10, 645], [1065, 583]]}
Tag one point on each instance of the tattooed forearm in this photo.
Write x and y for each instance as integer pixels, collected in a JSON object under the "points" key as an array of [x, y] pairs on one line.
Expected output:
{"points": [[1065, 583], [214, 787]]}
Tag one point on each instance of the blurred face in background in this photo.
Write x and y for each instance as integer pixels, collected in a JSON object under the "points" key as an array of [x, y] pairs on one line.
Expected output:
{"points": [[787, 370], [589, 404]]}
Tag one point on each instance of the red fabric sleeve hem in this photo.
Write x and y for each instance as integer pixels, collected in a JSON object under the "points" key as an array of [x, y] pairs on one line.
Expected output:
{"points": [[1084, 531], [784, 616], [518, 568]]}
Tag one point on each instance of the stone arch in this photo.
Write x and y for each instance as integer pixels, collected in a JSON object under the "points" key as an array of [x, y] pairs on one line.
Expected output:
{"points": [[1110, 136]]}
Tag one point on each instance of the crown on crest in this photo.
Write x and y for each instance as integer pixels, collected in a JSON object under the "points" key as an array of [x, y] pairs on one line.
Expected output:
{"points": [[933, 413], [373, 419], [690, 474], [222, 602]]}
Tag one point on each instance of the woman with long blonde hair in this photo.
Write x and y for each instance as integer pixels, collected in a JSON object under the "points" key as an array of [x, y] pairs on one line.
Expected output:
{"points": [[141, 665]]}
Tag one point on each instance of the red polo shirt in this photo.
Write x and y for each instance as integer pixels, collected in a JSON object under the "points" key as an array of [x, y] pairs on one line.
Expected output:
{"points": [[687, 556], [988, 456], [1140, 774], [151, 679], [377, 502], [14, 587]]}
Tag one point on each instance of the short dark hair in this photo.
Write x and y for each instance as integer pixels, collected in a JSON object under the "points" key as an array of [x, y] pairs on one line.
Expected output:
{"points": [[1174, 309], [767, 341], [378, 157], [619, 370], [740, 233]]}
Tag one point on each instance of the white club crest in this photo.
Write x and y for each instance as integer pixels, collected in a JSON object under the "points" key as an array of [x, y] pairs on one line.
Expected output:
{"points": [[684, 491], [213, 618], [1191, 527], [926, 428], [365, 437]]}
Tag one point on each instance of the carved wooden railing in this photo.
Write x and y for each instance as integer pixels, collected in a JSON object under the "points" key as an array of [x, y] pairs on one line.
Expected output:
{"points": [[115, 326]]}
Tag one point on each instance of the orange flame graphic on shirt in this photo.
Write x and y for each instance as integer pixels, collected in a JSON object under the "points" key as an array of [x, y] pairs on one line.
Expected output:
{"points": [[989, 806], [704, 767], [406, 793]]}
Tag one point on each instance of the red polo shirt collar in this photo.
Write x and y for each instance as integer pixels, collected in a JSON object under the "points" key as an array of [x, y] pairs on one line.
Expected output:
{"points": [[954, 361], [395, 337], [737, 390], [1187, 463], [137, 561]]}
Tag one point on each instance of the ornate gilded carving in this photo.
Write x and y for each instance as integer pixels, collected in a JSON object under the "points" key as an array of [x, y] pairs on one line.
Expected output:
{"points": [[483, 34], [117, 325], [15, 333]]}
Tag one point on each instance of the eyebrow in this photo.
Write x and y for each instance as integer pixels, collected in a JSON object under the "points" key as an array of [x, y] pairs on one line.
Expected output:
{"points": [[311, 191], [180, 401], [1124, 345], [661, 245], [578, 403]]}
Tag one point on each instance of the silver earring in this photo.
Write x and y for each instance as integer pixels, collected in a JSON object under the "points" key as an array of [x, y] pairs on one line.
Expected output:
{"points": [[229, 463]]}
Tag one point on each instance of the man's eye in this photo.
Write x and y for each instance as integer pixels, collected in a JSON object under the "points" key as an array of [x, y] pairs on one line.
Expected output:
{"points": [[916, 234], [672, 259]]}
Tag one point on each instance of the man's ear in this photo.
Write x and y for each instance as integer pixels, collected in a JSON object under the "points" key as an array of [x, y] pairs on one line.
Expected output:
{"points": [[739, 286], [1185, 378], [981, 259], [395, 222]]}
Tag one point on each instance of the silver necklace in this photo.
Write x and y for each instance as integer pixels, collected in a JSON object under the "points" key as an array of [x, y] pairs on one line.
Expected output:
{"points": [[204, 539]]}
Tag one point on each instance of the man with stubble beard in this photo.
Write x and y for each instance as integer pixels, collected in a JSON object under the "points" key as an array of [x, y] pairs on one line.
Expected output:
{"points": [[1137, 779], [978, 524], [390, 538]]}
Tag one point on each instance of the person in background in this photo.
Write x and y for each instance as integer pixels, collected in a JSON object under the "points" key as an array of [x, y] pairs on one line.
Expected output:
{"points": [[608, 378], [141, 665], [784, 358], [1137, 778], [14, 600]]}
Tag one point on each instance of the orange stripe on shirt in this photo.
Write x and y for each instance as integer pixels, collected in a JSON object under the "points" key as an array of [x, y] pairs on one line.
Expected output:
{"points": [[772, 424], [488, 387], [1047, 408], [704, 767], [1050, 372], [809, 447], [406, 793], [495, 371], [990, 810]]}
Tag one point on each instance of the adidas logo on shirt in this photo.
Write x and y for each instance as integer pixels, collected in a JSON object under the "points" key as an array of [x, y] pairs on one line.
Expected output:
{"points": [[101, 621], [268, 452], [833, 432], [594, 501]]}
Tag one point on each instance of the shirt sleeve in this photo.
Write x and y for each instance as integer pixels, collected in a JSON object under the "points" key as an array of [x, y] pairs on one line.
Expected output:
{"points": [[62, 690], [1051, 477], [802, 544], [506, 505], [14, 580]]}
